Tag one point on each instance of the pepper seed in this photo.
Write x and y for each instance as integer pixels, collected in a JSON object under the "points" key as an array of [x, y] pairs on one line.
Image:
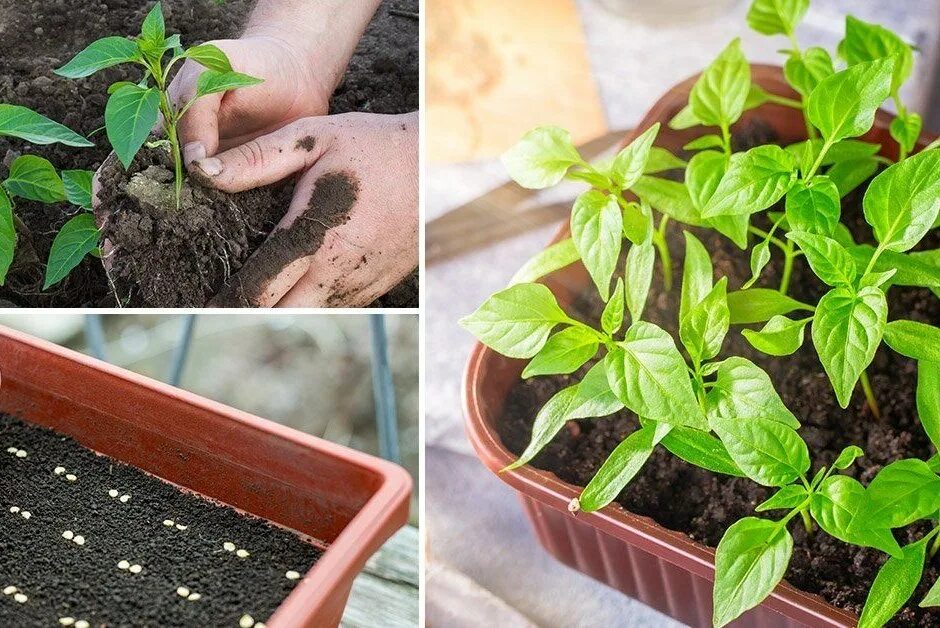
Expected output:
{"points": [[193, 597], [81, 623], [79, 539], [136, 569], [292, 575], [14, 509], [21, 453], [60, 471], [182, 592], [246, 621], [228, 546], [68, 534], [125, 499], [66, 621], [71, 477], [21, 598], [10, 590], [123, 565], [242, 553], [168, 523], [26, 514], [113, 493]]}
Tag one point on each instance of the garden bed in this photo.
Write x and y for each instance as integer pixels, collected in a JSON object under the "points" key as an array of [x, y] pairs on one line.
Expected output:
{"points": [[703, 505], [186, 561], [39, 36]]}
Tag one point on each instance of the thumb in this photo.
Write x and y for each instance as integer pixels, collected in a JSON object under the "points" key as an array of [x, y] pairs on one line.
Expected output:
{"points": [[264, 160], [198, 129]]}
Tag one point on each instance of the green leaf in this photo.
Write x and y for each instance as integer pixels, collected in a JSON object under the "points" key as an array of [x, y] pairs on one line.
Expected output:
{"points": [[718, 97], [553, 258], [742, 390], [26, 124], [668, 197], [541, 158], [844, 104], [594, 397], [661, 160], [99, 55], [612, 316], [760, 257], [212, 82], [815, 208], [913, 269], [696, 275], [914, 339], [933, 596], [903, 492], [701, 449], [596, 228], [805, 71], [638, 275], [549, 420], [703, 175], [776, 17], [848, 456], [685, 119], [906, 130], [153, 28], [749, 563], [621, 466], [903, 202], [869, 42], [828, 259], [34, 178], [516, 321], [847, 329], [129, 116], [928, 399], [705, 142], [780, 336], [77, 184], [648, 375], [767, 451], [834, 506], [760, 304], [755, 180], [848, 175], [637, 222], [563, 353], [732, 227], [7, 236], [894, 585], [788, 497], [210, 57], [77, 238], [704, 328], [630, 163]]}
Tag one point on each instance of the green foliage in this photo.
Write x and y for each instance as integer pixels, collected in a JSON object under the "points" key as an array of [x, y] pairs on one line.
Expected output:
{"points": [[597, 233], [77, 238], [7, 235], [541, 158], [844, 104], [25, 124], [35, 179], [894, 585]]}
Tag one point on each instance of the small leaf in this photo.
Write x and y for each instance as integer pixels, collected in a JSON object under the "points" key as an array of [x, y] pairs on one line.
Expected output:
{"points": [[662, 160], [780, 336], [742, 390], [902, 493], [553, 258], [630, 162], [153, 28], [719, 95], [7, 236], [894, 585], [596, 228], [549, 420], [685, 119], [129, 116], [755, 180], [928, 399], [914, 340], [869, 42], [705, 326], [769, 452], [911, 269], [776, 17], [760, 257], [26, 124], [933, 596], [814, 208], [34, 178], [210, 57], [844, 104], [703, 175], [638, 275], [848, 456], [612, 316], [637, 222], [903, 202], [805, 71], [516, 321], [212, 82], [705, 142], [906, 130], [701, 449], [541, 158], [834, 506], [77, 185], [848, 175], [99, 55], [828, 259], [696, 275], [760, 304], [77, 238], [788, 497], [594, 397], [563, 353], [668, 197]]}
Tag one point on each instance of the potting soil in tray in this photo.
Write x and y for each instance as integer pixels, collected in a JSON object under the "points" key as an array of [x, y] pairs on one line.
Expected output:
{"points": [[702, 504], [191, 572]]}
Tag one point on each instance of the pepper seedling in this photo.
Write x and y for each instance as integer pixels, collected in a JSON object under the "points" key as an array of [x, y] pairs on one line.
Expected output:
{"points": [[133, 109]]}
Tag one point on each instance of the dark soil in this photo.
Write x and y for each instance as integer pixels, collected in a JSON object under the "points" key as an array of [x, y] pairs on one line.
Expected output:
{"points": [[702, 504], [36, 37], [63, 579]]}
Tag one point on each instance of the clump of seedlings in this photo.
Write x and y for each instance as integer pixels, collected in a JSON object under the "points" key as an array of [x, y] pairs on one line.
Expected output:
{"points": [[721, 412]]}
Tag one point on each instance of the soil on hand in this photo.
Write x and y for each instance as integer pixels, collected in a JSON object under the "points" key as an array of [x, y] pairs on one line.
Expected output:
{"points": [[37, 37], [703, 505], [90, 581]]}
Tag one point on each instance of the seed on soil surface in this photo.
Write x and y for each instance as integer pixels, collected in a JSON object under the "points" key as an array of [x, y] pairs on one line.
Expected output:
{"points": [[228, 546], [168, 523], [242, 553], [71, 477], [79, 539], [193, 597], [113, 493], [125, 499], [21, 598], [66, 621], [68, 534], [21, 453], [12, 450], [26, 514], [81, 623], [182, 592], [136, 569], [180, 526], [60, 471], [124, 565], [14, 509], [292, 575], [247, 621], [10, 590]]}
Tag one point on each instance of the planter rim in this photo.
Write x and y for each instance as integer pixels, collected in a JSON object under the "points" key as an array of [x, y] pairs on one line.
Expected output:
{"points": [[385, 511], [545, 487]]}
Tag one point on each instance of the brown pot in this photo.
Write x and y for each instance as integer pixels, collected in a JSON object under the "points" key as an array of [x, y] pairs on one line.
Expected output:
{"points": [[346, 502], [661, 568]]}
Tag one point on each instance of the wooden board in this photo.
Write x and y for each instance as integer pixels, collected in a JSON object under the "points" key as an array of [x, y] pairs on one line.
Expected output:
{"points": [[495, 69], [386, 592]]}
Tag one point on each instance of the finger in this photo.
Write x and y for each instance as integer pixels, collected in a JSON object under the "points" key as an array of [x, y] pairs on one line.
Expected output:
{"points": [[199, 129], [266, 159]]}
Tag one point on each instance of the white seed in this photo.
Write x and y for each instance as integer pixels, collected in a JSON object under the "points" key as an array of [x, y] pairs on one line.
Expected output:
{"points": [[66, 621], [180, 526], [21, 453], [242, 553], [26, 514], [81, 623], [113, 493], [136, 569], [228, 546], [193, 597], [123, 564], [182, 592], [79, 539], [14, 509], [12, 450], [21, 598], [246, 621], [71, 477], [10, 590], [125, 499], [68, 534], [168, 523], [260, 625], [60, 471], [292, 575]]}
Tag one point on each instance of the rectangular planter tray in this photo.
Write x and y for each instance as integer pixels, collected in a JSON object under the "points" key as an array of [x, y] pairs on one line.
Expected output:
{"points": [[344, 501], [662, 568]]}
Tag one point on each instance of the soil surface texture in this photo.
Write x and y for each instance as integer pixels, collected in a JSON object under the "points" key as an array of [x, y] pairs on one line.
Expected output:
{"points": [[83, 577], [703, 505], [36, 37]]}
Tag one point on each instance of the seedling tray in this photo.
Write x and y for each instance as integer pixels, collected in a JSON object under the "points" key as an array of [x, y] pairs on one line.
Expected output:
{"points": [[341, 503], [661, 568]]}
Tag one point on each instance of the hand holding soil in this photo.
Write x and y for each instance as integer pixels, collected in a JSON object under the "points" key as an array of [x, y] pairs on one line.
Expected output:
{"points": [[351, 232]]}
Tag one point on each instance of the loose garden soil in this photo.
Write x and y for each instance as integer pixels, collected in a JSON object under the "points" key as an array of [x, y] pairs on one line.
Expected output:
{"points": [[36, 37], [703, 505], [61, 578]]}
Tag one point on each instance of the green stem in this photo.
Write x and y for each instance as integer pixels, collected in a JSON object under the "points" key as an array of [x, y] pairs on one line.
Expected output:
{"points": [[874, 258], [822, 154], [786, 102], [659, 241], [935, 546], [807, 521], [870, 395], [726, 139], [764, 235], [787, 267]]}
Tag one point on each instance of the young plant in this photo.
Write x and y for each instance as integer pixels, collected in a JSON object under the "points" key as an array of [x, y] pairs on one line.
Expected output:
{"points": [[134, 108]]}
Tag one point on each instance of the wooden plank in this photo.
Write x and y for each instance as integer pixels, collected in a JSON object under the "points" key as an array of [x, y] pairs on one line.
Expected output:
{"points": [[386, 592]]}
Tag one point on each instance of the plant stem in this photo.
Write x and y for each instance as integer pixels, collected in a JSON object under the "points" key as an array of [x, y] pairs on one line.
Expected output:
{"points": [[807, 521], [726, 139], [764, 235], [787, 267], [870, 395], [177, 160], [783, 100], [935, 546], [659, 241], [874, 258], [822, 154]]}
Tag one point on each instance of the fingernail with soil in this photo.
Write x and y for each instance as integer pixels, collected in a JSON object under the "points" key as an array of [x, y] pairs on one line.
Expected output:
{"points": [[210, 167], [194, 151]]}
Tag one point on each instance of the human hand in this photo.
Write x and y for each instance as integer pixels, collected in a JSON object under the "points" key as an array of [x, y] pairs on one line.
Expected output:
{"points": [[351, 232]]}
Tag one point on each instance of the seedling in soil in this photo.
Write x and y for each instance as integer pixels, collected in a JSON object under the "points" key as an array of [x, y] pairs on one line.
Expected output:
{"points": [[133, 109]]}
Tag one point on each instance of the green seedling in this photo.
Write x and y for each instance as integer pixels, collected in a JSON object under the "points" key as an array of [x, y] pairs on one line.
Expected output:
{"points": [[133, 109]]}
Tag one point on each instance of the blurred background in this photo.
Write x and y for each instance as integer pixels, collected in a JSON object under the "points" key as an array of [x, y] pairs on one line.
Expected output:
{"points": [[494, 70]]}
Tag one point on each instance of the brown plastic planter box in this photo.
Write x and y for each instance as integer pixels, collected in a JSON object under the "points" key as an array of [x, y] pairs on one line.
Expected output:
{"points": [[662, 568], [344, 501]]}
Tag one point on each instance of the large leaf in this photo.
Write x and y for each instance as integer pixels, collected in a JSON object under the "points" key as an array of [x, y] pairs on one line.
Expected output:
{"points": [[99, 55], [718, 97], [34, 178], [77, 238], [928, 399], [902, 493], [914, 339], [767, 451], [834, 505], [594, 398], [755, 180], [742, 390], [212, 82], [828, 259], [129, 116], [844, 104], [776, 17], [814, 208], [26, 124], [7, 235], [597, 232], [703, 175], [869, 42], [847, 329], [209, 56], [760, 304], [701, 449], [78, 187], [903, 202], [563, 353], [894, 585], [541, 158]]}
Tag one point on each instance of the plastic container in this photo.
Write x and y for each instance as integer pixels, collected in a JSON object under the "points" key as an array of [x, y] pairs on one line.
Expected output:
{"points": [[661, 568], [345, 501]]}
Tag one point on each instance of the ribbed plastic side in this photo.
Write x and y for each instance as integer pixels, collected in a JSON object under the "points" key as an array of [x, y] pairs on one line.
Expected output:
{"points": [[637, 573]]}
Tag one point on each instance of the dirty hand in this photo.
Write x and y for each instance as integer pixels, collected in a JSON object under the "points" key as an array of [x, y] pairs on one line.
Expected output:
{"points": [[351, 232]]}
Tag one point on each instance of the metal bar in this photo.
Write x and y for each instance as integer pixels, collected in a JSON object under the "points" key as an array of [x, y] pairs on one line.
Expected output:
{"points": [[181, 352], [383, 389], [94, 334]]}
